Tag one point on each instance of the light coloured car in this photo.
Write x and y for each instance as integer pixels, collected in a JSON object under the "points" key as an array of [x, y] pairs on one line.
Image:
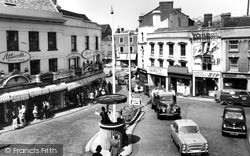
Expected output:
{"points": [[187, 137]]}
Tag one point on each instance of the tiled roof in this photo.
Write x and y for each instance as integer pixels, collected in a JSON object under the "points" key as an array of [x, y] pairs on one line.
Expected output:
{"points": [[73, 14], [104, 27], [46, 5]]}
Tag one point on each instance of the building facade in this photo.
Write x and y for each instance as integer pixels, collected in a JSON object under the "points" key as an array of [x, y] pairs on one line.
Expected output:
{"points": [[106, 45]]}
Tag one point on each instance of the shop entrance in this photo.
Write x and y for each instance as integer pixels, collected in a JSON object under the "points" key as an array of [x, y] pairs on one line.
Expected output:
{"points": [[204, 86]]}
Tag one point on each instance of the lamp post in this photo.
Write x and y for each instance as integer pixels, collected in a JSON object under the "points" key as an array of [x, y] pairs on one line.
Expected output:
{"points": [[129, 69]]}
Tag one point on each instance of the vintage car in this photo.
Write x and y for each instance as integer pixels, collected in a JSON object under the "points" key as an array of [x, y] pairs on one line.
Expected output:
{"points": [[234, 121], [234, 97], [187, 137], [166, 106]]}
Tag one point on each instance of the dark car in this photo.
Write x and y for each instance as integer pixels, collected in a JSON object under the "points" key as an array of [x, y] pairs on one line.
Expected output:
{"points": [[234, 121], [166, 106], [234, 97]]}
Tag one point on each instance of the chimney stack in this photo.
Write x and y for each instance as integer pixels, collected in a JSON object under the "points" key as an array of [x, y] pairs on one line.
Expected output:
{"points": [[224, 17], [156, 15], [208, 20]]}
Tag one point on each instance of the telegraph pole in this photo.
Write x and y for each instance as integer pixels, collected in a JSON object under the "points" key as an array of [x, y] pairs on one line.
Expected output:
{"points": [[247, 7]]}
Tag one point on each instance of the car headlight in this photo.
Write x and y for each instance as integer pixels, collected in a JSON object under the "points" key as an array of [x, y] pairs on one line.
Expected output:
{"points": [[184, 147], [244, 127], [206, 146], [224, 125]]}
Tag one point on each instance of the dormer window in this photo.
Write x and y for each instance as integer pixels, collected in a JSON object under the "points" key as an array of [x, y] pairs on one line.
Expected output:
{"points": [[10, 2]]}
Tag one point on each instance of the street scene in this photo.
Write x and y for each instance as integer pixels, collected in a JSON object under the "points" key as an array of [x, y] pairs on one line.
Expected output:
{"points": [[120, 78]]}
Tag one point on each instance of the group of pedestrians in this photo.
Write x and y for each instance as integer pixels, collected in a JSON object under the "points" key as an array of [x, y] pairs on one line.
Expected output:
{"points": [[103, 89]]}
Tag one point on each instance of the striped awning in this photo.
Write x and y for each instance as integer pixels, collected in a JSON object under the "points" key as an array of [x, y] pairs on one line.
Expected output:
{"points": [[4, 97], [37, 91], [56, 87], [19, 95], [73, 85]]}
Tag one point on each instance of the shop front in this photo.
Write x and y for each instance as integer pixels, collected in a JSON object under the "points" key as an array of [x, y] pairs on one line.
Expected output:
{"points": [[142, 75], [236, 81], [158, 76], [206, 83]]}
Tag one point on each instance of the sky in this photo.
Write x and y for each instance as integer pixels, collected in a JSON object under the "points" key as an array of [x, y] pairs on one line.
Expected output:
{"points": [[127, 12]]}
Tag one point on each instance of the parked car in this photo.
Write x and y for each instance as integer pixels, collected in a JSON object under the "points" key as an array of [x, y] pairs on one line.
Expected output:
{"points": [[234, 121], [121, 80], [165, 106], [188, 138], [234, 97]]}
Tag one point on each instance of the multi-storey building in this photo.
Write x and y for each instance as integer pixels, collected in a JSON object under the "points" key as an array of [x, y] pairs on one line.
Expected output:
{"points": [[106, 45], [125, 42], [46, 53]]}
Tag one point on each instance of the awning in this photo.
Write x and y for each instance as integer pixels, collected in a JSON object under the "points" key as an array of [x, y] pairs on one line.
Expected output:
{"points": [[56, 87], [44, 90], [126, 57], [4, 97], [19, 95], [35, 91], [73, 85], [83, 82]]}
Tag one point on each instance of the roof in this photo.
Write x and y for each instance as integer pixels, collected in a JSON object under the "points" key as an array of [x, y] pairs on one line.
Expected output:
{"points": [[45, 5], [186, 122], [234, 108], [73, 14], [105, 27]]}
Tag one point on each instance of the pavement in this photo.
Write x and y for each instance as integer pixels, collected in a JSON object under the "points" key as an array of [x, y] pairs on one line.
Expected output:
{"points": [[127, 150]]}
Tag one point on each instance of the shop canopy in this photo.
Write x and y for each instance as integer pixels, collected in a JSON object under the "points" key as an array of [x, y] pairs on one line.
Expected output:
{"points": [[56, 87], [20, 95], [4, 97], [35, 91], [73, 85]]}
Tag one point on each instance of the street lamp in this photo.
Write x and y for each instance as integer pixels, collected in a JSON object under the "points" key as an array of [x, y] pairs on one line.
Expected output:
{"points": [[129, 69]]}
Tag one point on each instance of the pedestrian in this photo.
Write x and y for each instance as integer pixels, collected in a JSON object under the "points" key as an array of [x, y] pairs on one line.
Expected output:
{"points": [[78, 100], [103, 92], [35, 112], [110, 87], [21, 115], [91, 97], [98, 151], [14, 119], [82, 99], [115, 145], [104, 115], [47, 115]]}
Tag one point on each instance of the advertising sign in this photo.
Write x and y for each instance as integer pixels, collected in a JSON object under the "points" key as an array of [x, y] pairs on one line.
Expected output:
{"points": [[87, 54], [14, 56]]}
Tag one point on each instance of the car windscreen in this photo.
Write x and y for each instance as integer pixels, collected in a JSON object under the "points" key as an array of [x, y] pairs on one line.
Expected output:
{"points": [[234, 115], [188, 129]]}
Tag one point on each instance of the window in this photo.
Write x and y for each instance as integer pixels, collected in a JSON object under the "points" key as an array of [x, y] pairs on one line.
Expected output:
{"points": [[96, 43], [131, 49], [13, 66], [34, 67], [121, 49], [33, 41], [161, 63], [207, 63], [233, 45], [152, 48], [142, 37], [233, 63], [52, 41], [87, 42], [152, 62], [171, 49], [74, 62], [53, 64], [131, 39], [121, 39], [183, 49], [12, 41], [142, 49], [160, 49], [171, 63], [183, 64], [73, 43]]}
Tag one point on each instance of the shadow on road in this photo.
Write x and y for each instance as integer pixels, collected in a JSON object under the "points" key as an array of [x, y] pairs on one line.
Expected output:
{"points": [[134, 139]]}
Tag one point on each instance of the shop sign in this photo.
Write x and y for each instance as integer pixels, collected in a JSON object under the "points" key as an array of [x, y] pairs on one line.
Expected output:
{"points": [[205, 36], [14, 56], [87, 54], [235, 76], [143, 71], [206, 74], [158, 71], [63, 74]]}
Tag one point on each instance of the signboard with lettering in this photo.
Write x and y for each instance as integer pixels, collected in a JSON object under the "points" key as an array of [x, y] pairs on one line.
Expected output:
{"points": [[14, 56], [87, 54], [158, 71], [206, 74]]}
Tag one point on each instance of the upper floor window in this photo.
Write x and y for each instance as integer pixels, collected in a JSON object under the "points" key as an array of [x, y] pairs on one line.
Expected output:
{"points": [[33, 41], [73, 43], [183, 49], [142, 49], [160, 48], [183, 64], [87, 42], [234, 45], [161, 63], [121, 40], [207, 63], [142, 37], [152, 62], [121, 49], [131, 39], [171, 63], [233, 63], [53, 64], [12, 41], [131, 49], [52, 41], [152, 48], [34, 67], [171, 49], [96, 43]]}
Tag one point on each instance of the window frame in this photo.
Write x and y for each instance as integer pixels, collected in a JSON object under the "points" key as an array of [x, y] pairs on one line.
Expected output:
{"points": [[230, 45], [152, 48], [52, 37], [96, 43], [34, 42], [161, 63], [86, 42], [32, 70], [232, 65], [121, 39], [11, 67], [53, 67], [171, 48], [160, 49], [183, 49], [152, 62], [73, 43], [12, 42]]}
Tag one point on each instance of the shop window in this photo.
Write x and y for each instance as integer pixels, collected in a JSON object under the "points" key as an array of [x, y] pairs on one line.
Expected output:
{"points": [[52, 41], [121, 39], [152, 48], [96, 43], [13, 66], [73, 43], [12, 41], [53, 64], [152, 63], [86, 42], [233, 63], [161, 63], [34, 41], [34, 67], [207, 63], [160, 49], [234, 45], [171, 49]]}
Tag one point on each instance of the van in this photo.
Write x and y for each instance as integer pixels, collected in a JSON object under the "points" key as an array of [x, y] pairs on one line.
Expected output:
{"points": [[234, 97]]}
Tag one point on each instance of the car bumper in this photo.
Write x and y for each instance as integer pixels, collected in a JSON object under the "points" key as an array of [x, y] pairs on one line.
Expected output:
{"points": [[195, 152], [234, 132], [169, 114]]}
